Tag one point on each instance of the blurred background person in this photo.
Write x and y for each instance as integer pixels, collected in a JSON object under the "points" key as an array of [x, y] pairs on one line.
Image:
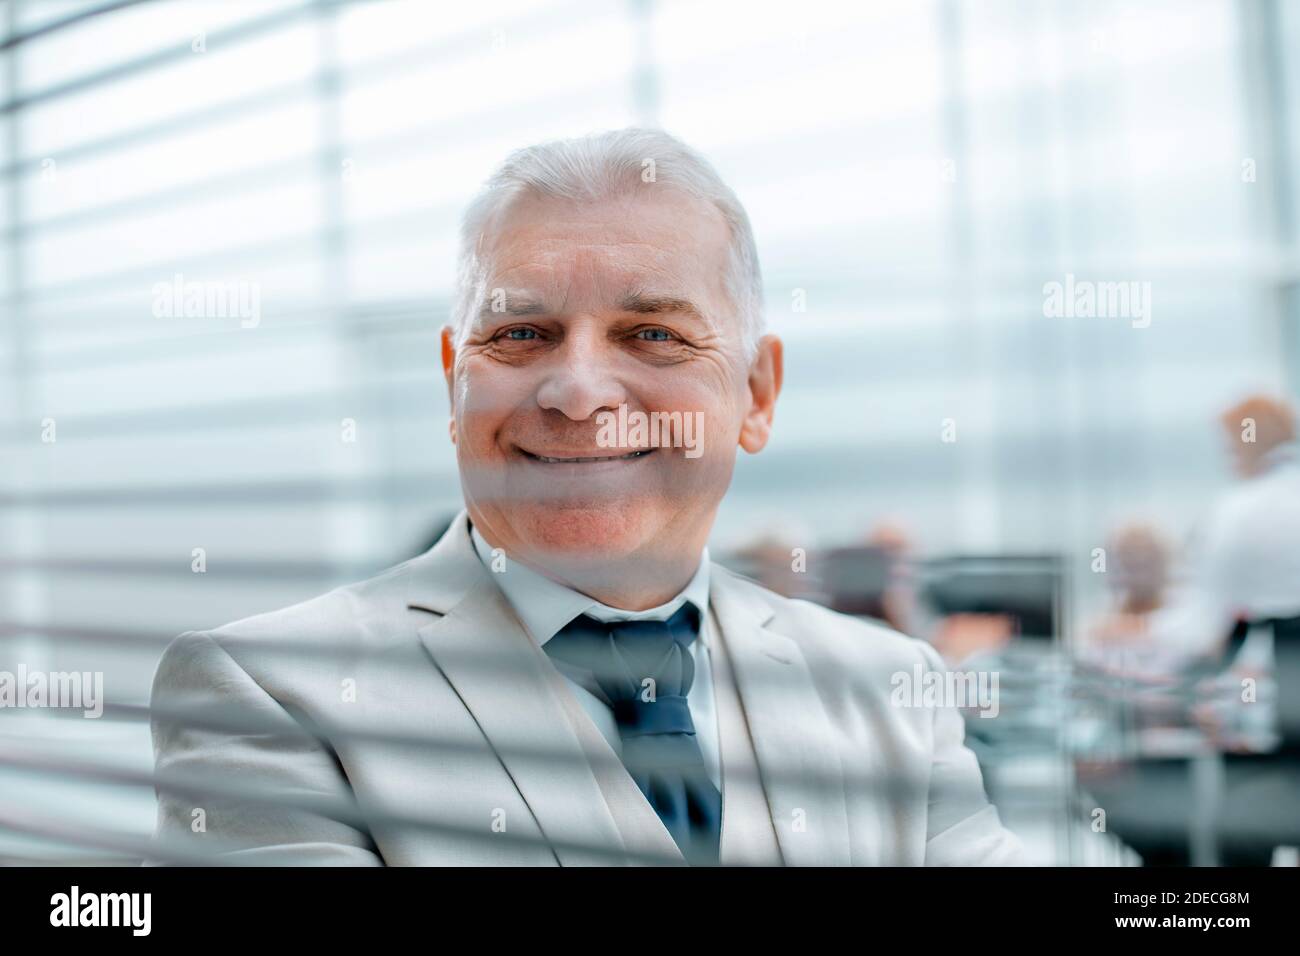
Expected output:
{"points": [[1213, 769], [1245, 564], [775, 558], [959, 638], [897, 605], [1139, 575], [1137, 578]]}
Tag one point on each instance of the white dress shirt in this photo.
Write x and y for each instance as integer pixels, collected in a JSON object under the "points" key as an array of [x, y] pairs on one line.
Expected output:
{"points": [[545, 606], [1249, 561]]}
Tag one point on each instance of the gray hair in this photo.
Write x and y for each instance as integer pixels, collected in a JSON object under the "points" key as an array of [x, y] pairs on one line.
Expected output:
{"points": [[602, 166]]}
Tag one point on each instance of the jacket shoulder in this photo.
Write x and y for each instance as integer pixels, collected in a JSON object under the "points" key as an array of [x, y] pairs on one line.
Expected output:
{"points": [[339, 616], [833, 639]]}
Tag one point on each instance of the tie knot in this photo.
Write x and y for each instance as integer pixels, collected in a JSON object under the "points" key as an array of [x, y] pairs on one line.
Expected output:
{"points": [[635, 663]]}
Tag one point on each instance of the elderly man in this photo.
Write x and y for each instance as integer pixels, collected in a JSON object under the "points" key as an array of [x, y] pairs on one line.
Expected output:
{"points": [[564, 678]]}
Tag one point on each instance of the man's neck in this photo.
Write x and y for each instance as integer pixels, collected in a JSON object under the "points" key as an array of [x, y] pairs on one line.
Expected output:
{"points": [[621, 594], [634, 583]]}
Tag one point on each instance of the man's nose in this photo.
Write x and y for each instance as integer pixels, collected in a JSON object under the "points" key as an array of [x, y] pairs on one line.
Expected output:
{"points": [[581, 381]]}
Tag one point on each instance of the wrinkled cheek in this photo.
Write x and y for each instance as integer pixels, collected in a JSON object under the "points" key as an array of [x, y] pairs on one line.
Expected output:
{"points": [[484, 404], [485, 484], [480, 461], [474, 405]]}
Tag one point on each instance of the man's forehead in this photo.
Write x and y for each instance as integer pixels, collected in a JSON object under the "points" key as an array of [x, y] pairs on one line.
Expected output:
{"points": [[649, 253], [634, 235], [649, 206]]}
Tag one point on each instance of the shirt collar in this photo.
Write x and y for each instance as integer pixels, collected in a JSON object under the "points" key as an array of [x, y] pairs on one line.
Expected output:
{"points": [[545, 606]]}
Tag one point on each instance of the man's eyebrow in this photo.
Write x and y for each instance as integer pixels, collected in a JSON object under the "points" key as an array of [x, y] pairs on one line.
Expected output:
{"points": [[639, 303], [508, 304], [644, 303]]}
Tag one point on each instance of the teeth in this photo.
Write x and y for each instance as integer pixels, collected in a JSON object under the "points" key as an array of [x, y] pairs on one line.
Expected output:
{"points": [[572, 461]]}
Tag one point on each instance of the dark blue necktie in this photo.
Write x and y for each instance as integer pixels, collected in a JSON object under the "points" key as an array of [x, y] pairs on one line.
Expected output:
{"points": [[645, 668]]}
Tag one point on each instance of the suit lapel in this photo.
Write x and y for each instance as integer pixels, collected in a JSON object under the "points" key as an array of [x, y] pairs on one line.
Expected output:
{"points": [[643, 833], [748, 837], [792, 736], [500, 674]]}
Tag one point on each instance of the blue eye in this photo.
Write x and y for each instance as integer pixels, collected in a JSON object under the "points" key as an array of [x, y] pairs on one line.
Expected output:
{"points": [[655, 335], [521, 335]]}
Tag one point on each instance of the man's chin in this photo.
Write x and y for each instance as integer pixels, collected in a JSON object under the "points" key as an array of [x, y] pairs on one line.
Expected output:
{"points": [[581, 534]]}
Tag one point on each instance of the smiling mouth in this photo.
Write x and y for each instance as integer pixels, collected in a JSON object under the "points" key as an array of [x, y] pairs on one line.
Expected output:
{"points": [[548, 460]]}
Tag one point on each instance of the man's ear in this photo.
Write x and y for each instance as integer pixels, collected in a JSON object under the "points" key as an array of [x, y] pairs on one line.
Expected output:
{"points": [[449, 373], [764, 387]]}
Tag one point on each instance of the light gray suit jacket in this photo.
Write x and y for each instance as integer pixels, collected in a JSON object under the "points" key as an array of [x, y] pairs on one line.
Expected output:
{"points": [[411, 720]]}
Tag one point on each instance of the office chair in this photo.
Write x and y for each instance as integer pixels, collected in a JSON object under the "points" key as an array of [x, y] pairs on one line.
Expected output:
{"points": [[1261, 790]]}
